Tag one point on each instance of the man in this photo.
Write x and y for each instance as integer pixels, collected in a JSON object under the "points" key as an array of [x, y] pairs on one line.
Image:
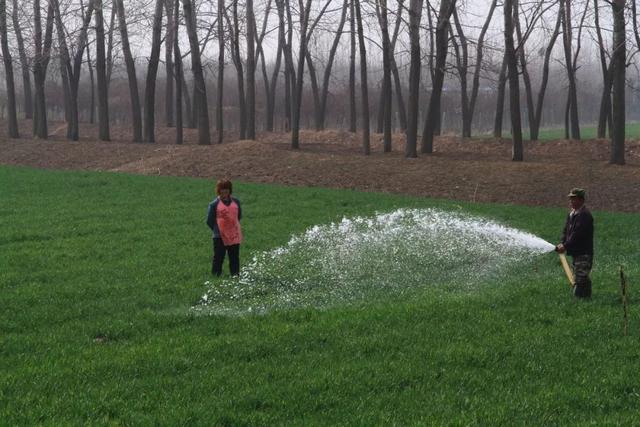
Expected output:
{"points": [[577, 241]]}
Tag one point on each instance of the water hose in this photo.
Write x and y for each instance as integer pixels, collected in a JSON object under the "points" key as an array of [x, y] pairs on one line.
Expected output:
{"points": [[567, 269]]}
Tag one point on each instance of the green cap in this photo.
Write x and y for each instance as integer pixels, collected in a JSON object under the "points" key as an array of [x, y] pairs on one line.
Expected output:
{"points": [[577, 192]]}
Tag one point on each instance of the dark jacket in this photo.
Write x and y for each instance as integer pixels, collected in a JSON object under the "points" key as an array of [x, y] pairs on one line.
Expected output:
{"points": [[577, 236], [211, 214]]}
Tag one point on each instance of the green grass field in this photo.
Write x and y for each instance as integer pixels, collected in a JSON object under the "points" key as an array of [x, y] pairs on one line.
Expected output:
{"points": [[586, 132], [86, 255]]}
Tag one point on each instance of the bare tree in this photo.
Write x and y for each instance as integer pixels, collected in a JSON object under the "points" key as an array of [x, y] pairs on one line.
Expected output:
{"points": [[320, 122], [415, 15], [352, 69], [237, 61], [363, 81], [219, 109], [111, 60], [502, 82], [24, 63], [619, 65], [178, 74], [269, 83], [136, 113], [604, 117], [461, 50], [402, 112], [152, 71], [572, 97], [171, 34], [514, 85], [522, 57], [41, 63], [92, 85], [284, 45], [537, 116], [251, 72], [478, 66], [315, 87], [305, 10], [433, 115], [65, 68], [8, 73], [386, 61], [101, 72], [199, 88], [73, 66]]}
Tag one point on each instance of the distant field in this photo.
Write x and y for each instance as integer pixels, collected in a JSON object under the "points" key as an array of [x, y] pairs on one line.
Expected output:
{"points": [[586, 132], [98, 272]]}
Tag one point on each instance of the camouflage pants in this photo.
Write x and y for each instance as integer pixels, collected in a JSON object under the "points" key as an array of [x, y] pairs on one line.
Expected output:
{"points": [[581, 268]]}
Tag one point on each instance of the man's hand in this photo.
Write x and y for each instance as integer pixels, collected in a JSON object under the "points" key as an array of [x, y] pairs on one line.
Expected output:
{"points": [[560, 248]]}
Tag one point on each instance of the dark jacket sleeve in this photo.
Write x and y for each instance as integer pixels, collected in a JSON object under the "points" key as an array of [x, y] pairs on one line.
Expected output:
{"points": [[211, 214]]}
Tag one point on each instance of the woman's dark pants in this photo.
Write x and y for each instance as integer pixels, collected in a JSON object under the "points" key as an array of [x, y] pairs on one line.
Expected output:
{"points": [[219, 250]]}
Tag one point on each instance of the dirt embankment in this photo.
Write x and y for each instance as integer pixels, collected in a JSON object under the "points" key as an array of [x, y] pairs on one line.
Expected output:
{"points": [[470, 170]]}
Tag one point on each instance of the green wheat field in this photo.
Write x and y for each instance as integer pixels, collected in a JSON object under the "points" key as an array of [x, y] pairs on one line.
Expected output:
{"points": [[99, 274]]}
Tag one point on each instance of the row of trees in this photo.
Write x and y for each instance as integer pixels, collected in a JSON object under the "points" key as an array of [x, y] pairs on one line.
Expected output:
{"points": [[440, 41]]}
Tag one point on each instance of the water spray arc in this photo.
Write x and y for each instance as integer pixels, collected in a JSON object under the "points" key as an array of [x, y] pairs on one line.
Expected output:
{"points": [[371, 258]]}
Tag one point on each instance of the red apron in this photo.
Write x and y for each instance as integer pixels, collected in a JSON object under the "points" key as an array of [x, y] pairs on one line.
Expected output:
{"points": [[228, 223]]}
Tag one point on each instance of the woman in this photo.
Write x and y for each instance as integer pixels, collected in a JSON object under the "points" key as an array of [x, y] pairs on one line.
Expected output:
{"points": [[223, 217]]}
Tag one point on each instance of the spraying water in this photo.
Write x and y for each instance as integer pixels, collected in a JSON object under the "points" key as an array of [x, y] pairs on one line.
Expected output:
{"points": [[363, 258]]}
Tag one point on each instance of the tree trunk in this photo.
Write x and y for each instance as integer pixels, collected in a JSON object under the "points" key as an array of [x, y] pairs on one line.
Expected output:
{"points": [[136, 113], [475, 85], [237, 61], [172, 30], [327, 71], [502, 82], [462, 64], [152, 71], [386, 61], [431, 63], [92, 84], [65, 70], [537, 117], [24, 64], [8, 74], [415, 15], [74, 69], [604, 115], [42, 57], [188, 105], [101, 73], [110, 45], [571, 72], [514, 88], [619, 65], [523, 65], [219, 110], [271, 99], [199, 88], [363, 82], [297, 94], [263, 62], [442, 39], [352, 70], [251, 72], [315, 89], [178, 75], [402, 112]]}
